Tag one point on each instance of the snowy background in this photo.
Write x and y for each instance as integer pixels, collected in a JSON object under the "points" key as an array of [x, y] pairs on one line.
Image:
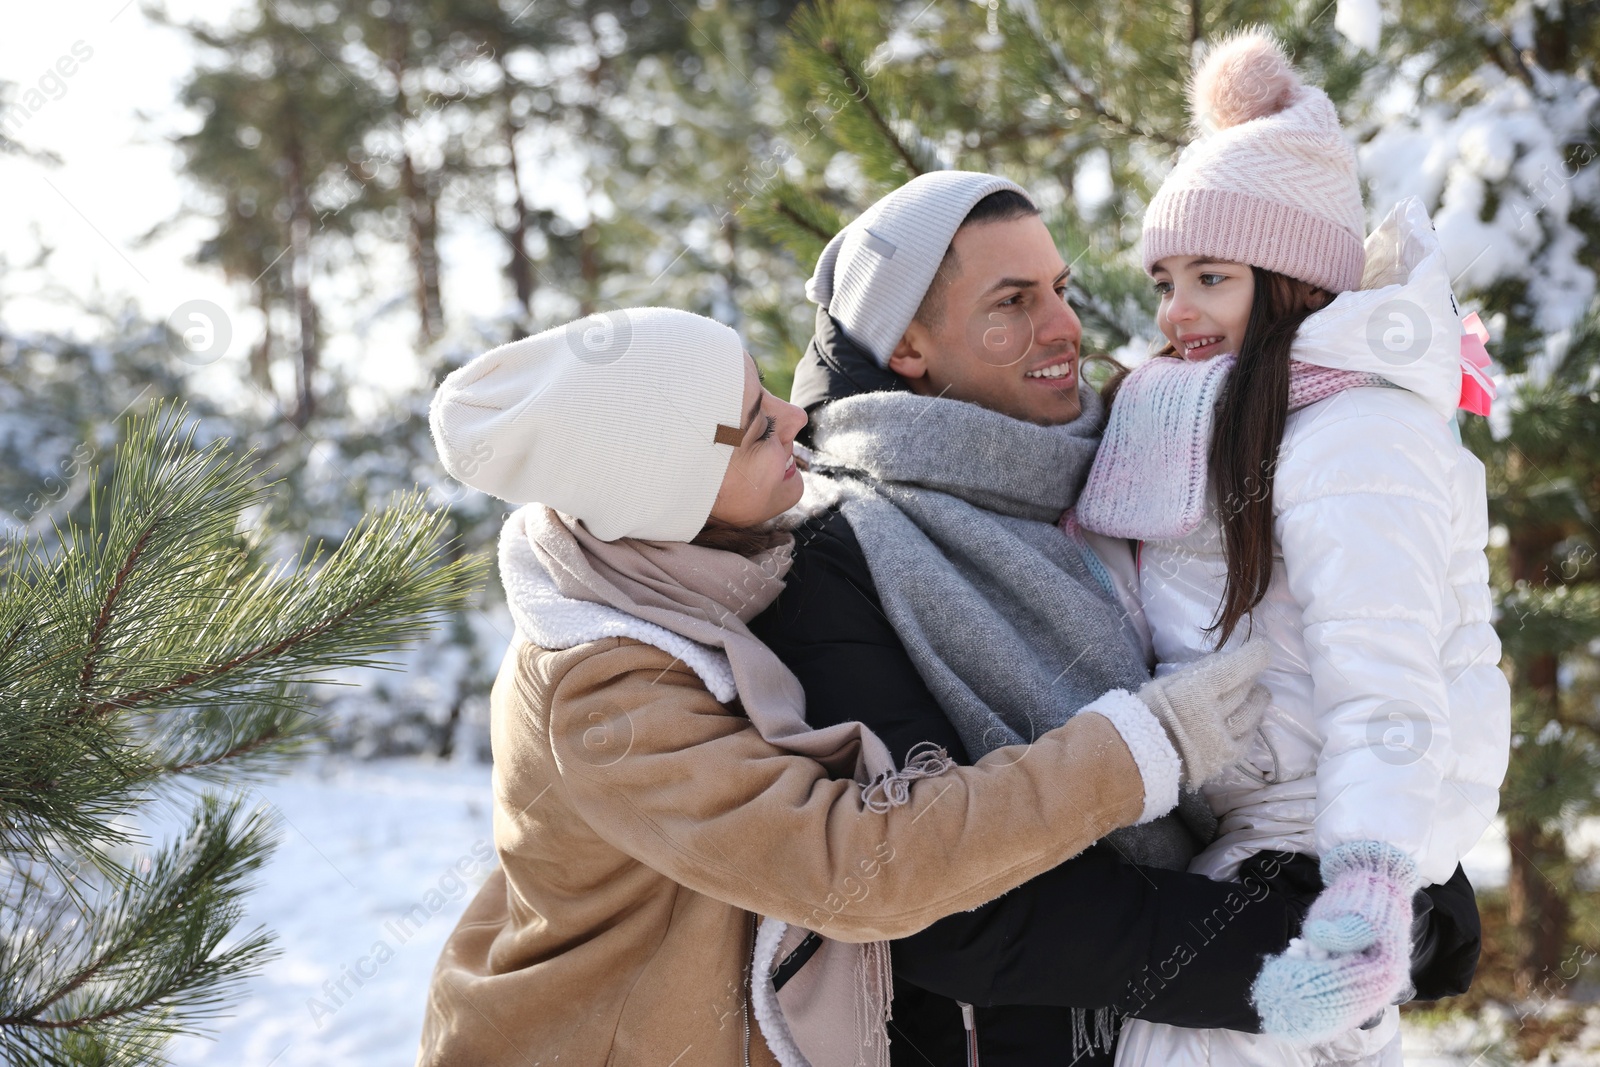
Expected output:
{"points": [[110, 125], [382, 825], [365, 844]]}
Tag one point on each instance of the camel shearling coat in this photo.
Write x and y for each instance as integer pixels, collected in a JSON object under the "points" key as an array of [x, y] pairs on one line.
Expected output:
{"points": [[641, 826]]}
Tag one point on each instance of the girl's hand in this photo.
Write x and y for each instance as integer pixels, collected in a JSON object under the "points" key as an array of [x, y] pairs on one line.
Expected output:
{"points": [[1354, 958]]}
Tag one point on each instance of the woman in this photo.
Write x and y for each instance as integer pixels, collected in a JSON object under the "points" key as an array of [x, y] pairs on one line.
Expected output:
{"points": [[655, 785]]}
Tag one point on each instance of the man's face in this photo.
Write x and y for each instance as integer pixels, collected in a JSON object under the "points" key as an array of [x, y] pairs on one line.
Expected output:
{"points": [[1005, 337]]}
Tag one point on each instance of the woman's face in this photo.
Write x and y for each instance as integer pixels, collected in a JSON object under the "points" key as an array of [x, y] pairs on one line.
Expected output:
{"points": [[762, 481], [1205, 304]]}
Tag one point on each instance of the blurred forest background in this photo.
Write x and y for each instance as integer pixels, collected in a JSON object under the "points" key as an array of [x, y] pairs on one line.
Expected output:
{"points": [[705, 152]]}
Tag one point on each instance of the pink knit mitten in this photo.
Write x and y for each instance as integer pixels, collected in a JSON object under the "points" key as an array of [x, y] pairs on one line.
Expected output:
{"points": [[1354, 958], [1366, 900]]}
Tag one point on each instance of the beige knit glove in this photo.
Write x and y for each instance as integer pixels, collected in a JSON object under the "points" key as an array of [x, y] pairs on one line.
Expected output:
{"points": [[1211, 708]]}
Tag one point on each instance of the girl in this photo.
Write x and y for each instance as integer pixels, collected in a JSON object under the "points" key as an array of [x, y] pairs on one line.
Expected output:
{"points": [[1290, 464], [655, 784]]}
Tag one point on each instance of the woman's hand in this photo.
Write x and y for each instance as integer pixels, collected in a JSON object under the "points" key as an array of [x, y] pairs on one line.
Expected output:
{"points": [[1211, 708]]}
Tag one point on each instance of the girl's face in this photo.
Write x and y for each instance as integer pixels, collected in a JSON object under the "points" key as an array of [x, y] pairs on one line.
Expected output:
{"points": [[1205, 304], [762, 481]]}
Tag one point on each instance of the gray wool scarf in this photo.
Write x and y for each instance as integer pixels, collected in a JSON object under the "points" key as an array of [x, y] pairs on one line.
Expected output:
{"points": [[956, 507]]}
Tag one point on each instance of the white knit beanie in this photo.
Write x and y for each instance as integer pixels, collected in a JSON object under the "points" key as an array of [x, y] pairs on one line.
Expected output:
{"points": [[1271, 181], [625, 421], [874, 273]]}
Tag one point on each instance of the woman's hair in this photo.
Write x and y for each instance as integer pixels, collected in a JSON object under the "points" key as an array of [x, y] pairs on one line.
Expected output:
{"points": [[1245, 436], [745, 540]]}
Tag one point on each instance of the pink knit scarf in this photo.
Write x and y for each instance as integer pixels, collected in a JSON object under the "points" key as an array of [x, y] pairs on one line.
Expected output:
{"points": [[1309, 383], [1150, 477]]}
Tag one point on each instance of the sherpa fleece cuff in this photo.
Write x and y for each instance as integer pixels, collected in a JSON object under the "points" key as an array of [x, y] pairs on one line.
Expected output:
{"points": [[1147, 739]]}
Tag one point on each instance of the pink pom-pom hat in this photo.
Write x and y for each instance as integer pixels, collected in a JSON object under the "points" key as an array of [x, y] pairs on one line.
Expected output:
{"points": [[1271, 180]]}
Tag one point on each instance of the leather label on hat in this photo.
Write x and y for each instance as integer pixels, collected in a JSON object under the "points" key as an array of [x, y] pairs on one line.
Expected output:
{"points": [[729, 435]]}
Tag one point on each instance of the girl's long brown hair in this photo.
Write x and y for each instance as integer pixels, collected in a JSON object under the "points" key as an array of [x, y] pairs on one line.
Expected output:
{"points": [[1245, 436]]}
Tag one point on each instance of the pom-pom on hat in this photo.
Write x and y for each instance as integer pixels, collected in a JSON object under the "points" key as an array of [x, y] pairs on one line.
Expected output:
{"points": [[1271, 180], [874, 273], [625, 421]]}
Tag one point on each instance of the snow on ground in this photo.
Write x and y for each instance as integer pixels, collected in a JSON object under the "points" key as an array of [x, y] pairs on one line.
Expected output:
{"points": [[376, 864], [1488, 1041]]}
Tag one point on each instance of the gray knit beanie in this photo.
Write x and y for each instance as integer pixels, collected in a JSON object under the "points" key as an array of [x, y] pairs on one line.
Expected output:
{"points": [[874, 273]]}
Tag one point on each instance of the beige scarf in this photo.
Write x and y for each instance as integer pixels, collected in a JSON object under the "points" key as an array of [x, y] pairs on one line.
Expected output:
{"points": [[834, 1009]]}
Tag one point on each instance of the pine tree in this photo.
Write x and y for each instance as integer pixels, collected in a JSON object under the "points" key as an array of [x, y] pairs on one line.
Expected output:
{"points": [[152, 660], [1544, 487], [1520, 223], [280, 119], [398, 35], [656, 109]]}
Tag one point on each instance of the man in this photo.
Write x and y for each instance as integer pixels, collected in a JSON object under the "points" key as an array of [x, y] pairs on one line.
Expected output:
{"points": [[937, 603]]}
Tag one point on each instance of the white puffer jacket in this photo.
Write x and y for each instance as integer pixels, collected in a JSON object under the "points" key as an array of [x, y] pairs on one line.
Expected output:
{"points": [[1390, 717]]}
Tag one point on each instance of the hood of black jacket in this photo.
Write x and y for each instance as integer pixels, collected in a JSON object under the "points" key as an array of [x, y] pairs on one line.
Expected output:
{"points": [[835, 367]]}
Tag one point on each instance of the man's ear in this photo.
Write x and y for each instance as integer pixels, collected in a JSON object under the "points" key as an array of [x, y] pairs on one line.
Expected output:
{"points": [[907, 359]]}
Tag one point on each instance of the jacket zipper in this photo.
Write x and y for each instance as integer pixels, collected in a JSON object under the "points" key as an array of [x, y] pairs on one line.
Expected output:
{"points": [[749, 977], [969, 1022]]}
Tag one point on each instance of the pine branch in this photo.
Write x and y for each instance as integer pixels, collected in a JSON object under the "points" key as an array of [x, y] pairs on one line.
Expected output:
{"points": [[227, 746], [83, 1021], [235, 753], [1050, 50], [146, 652], [782, 208], [856, 88], [1088, 99], [97, 631], [191, 900], [209, 672], [827, 50], [798, 219]]}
